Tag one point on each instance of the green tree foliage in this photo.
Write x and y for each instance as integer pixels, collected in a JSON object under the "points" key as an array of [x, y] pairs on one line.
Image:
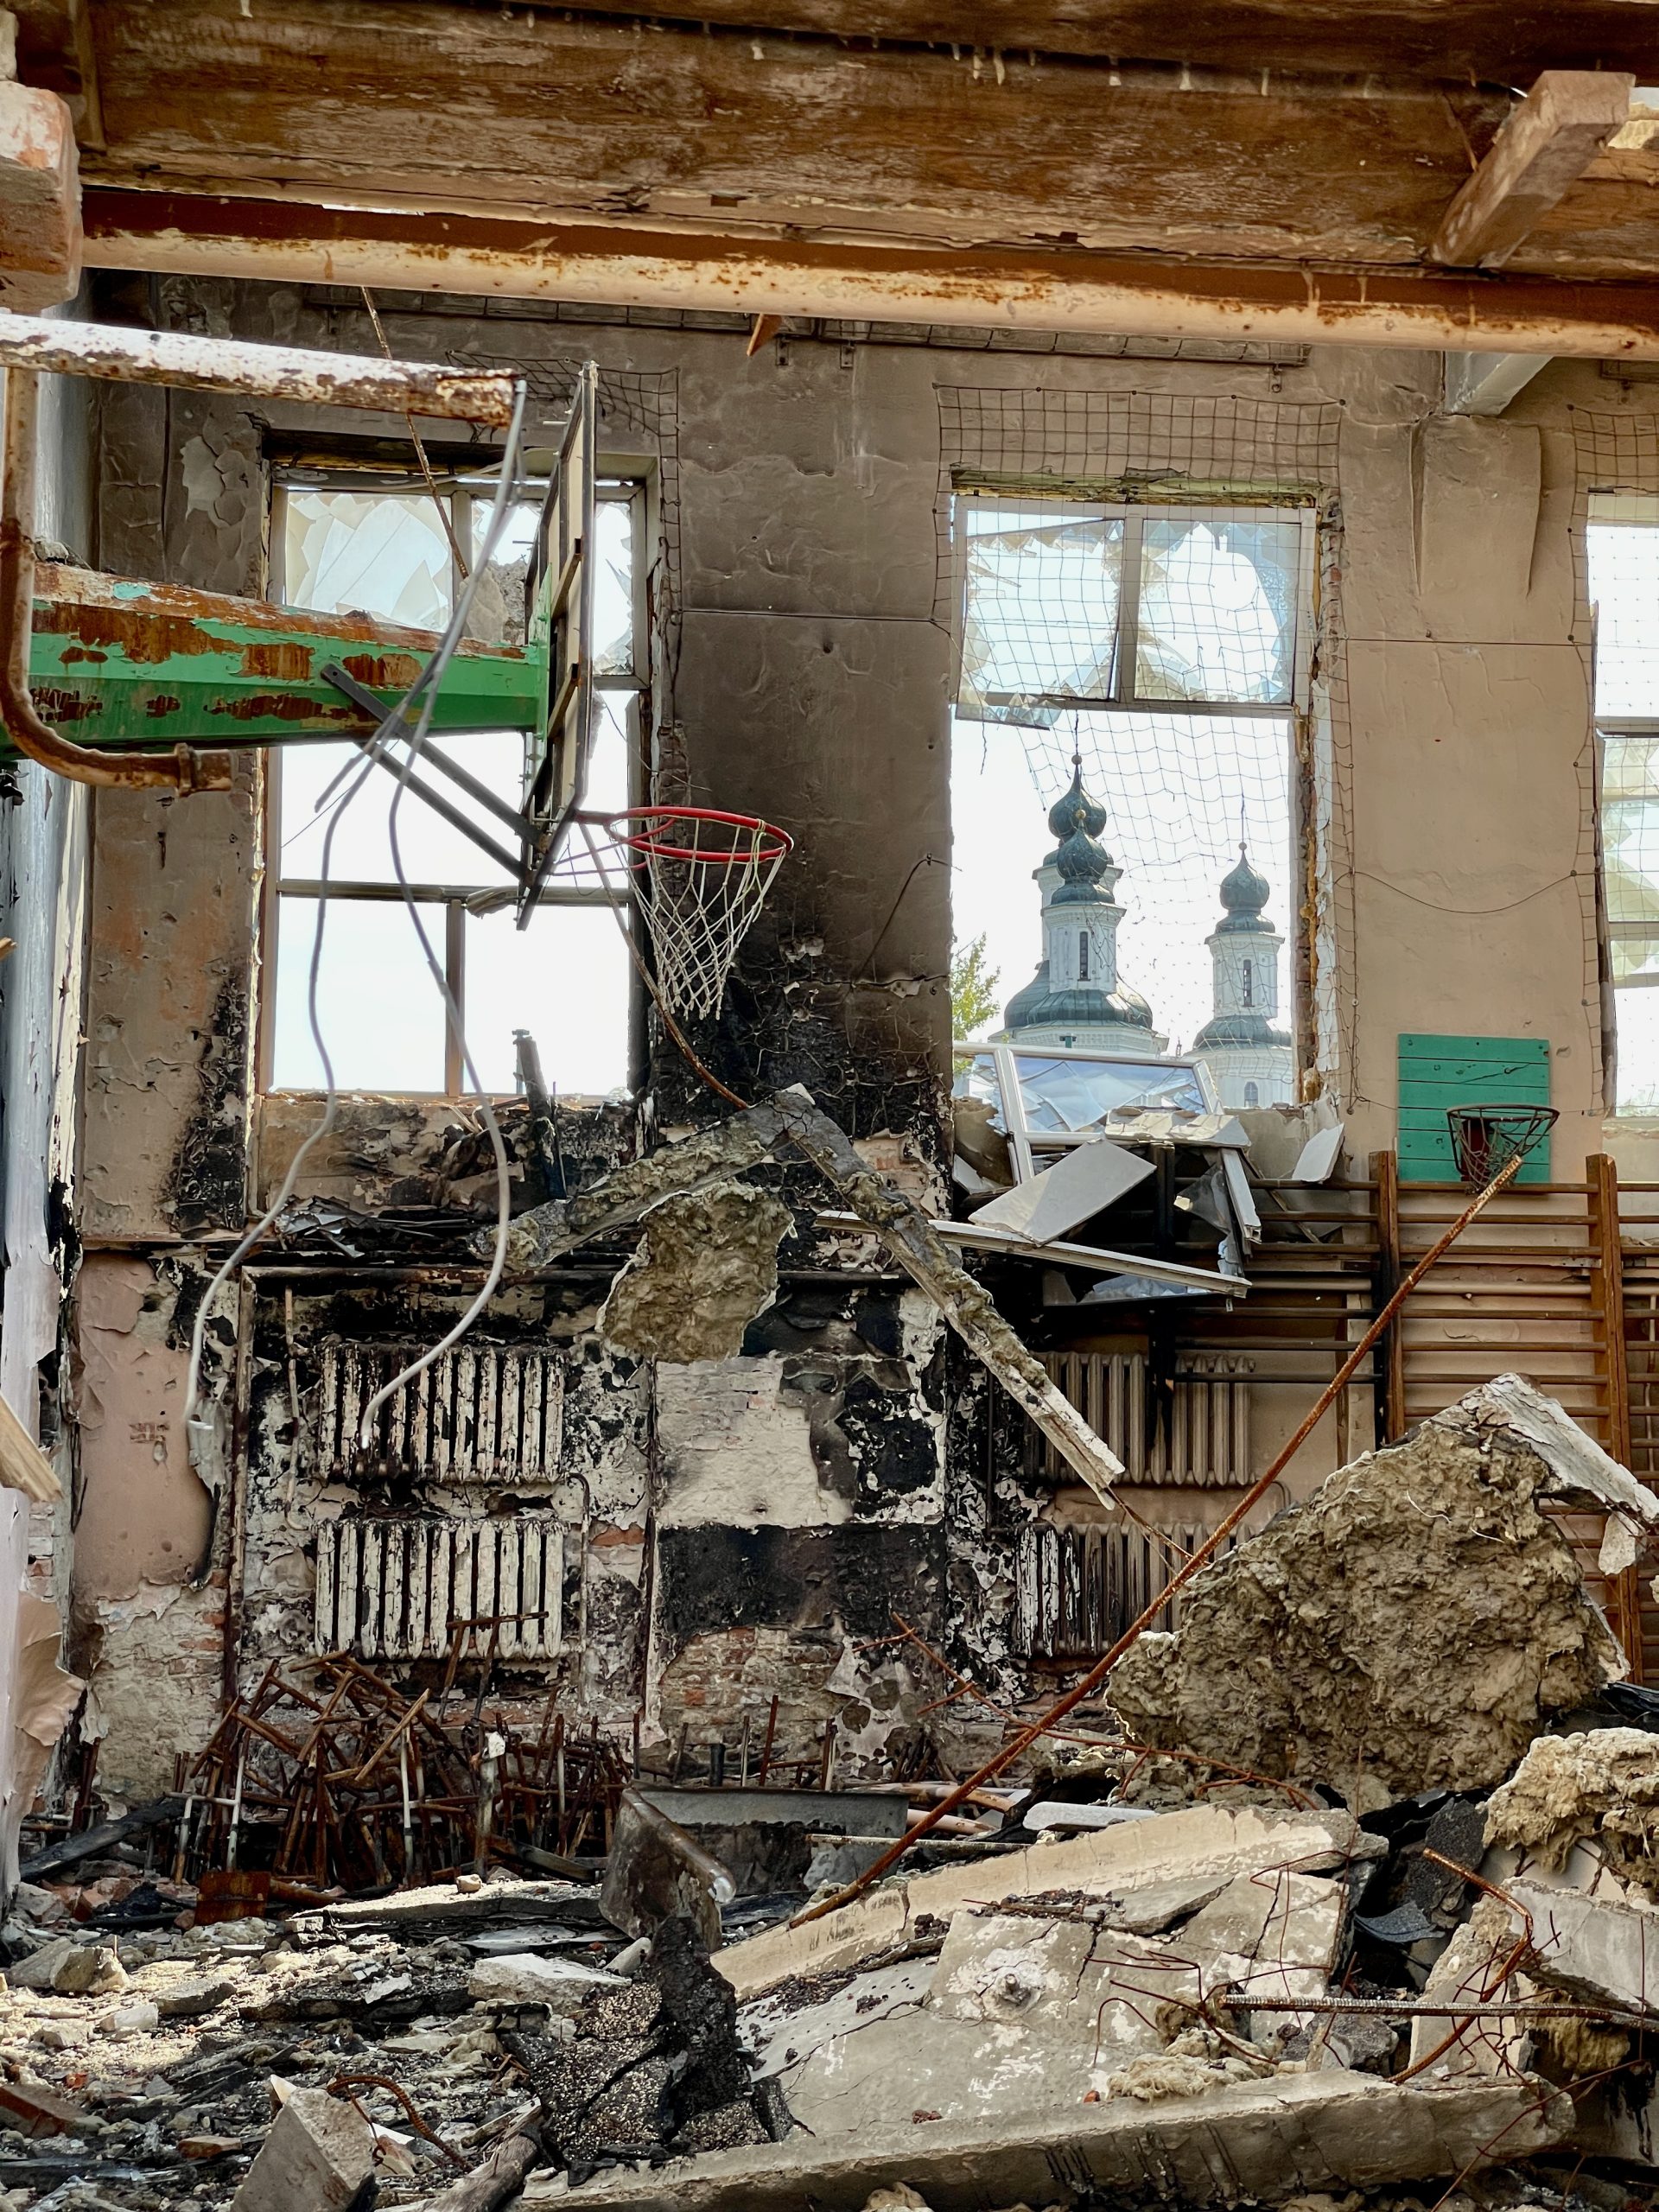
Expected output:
{"points": [[974, 1001]]}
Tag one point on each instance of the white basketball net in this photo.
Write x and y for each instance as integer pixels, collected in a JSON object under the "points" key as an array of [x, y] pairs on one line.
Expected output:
{"points": [[709, 879]]}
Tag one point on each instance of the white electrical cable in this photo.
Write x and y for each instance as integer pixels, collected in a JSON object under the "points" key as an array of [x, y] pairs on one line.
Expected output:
{"points": [[199, 1433], [455, 1028]]}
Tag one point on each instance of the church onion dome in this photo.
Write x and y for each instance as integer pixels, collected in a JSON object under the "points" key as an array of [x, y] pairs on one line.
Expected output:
{"points": [[1239, 1029], [1077, 820], [1016, 1015], [1244, 894], [1081, 1006]]}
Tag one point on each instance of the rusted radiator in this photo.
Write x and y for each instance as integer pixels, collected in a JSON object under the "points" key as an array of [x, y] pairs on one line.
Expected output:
{"points": [[1206, 1439], [479, 1413], [1078, 1589], [394, 1587]]}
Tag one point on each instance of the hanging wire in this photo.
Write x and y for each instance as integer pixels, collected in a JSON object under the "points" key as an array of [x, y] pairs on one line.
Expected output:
{"points": [[416, 739], [424, 690]]}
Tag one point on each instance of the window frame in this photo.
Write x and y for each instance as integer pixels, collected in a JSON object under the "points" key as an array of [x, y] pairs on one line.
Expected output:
{"points": [[1644, 516], [1024, 1142], [623, 483], [1125, 660]]}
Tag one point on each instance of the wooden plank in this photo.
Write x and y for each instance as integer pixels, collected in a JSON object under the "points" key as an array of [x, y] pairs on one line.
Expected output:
{"points": [[550, 116], [1390, 1363], [1612, 1370], [24, 1466], [1503, 41], [1546, 146], [1434, 1046]]}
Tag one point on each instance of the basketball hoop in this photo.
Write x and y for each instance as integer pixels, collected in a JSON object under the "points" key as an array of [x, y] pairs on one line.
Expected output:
{"points": [[709, 873], [1487, 1138]]}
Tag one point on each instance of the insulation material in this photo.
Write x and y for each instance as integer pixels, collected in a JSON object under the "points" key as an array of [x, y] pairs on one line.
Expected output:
{"points": [[1600, 1788], [1413, 1625], [707, 1264]]}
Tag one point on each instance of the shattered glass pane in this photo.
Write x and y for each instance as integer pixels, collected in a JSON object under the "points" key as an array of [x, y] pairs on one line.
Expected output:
{"points": [[497, 614], [1071, 1097], [1041, 615], [1217, 611], [976, 1077], [614, 590], [1630, 828], [366, 553]]}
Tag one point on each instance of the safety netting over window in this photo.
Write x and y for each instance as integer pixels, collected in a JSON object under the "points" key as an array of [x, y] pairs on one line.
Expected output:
{"points": [[1622, 545], [1130, 579]]}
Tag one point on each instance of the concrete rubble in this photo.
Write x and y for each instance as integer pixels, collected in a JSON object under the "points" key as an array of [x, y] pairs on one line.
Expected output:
{"points": [[1151, 1967], [1416, 1623]]}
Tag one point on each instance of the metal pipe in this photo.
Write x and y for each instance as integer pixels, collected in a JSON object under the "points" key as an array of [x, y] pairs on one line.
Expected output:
{"points": [[235, 364], [185, 771]]}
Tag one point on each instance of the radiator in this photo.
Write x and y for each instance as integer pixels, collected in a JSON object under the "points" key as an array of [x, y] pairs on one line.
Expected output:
{"points": [[1208, 1442], [395, 1588], [480, 1413], [1078, 1589]]}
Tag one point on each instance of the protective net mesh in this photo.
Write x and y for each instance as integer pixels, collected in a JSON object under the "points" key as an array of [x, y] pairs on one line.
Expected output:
{"points": [[1121, 569], [1622, 577], [707, 876]]}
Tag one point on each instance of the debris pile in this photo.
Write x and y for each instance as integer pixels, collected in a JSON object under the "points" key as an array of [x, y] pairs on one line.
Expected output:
{"points": [[327, 1774], [1326, 1932]]}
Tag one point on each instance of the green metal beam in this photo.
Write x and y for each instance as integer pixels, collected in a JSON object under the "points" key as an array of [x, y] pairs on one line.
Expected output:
{"points": [[148, 666]]}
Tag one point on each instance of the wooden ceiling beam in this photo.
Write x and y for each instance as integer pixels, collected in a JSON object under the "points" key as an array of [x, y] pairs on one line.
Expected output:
{"points": [[1014, 288], [1496, 41], [572, 119], [1540, 153]]}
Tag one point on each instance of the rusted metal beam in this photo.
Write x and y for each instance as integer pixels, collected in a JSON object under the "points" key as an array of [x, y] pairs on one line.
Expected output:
{"points": [[143, 666], [32, 736], [1541, 152], [234, 365], [1008, 288]]}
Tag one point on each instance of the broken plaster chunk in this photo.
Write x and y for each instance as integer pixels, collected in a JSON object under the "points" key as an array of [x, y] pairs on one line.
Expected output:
{"points": [[317, 2157], [1600, 1787], [140, 2018], [531, 1978], [1412, 1625], [707, 1264]]}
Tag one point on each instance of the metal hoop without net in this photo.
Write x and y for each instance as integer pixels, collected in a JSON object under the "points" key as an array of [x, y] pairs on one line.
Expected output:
{"points": [[709, 873], [1486, 1137]]}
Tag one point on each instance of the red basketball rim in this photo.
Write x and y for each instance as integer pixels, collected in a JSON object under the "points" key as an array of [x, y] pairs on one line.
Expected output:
{"points": [[652, 825]]}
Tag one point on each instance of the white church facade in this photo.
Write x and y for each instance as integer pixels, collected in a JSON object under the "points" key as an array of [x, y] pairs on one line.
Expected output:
{"points": [[1079, 1000]]}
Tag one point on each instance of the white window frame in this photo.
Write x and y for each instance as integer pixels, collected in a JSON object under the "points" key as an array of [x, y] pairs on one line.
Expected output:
{"points": [[1124, 660], [1643, 514], [617, 485], [1024, 1142]]}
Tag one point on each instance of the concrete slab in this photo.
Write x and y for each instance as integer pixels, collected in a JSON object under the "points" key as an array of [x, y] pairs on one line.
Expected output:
{"points": [[1265, 2140], [1193, 1843], [784, 2033], [1607, 1954]]}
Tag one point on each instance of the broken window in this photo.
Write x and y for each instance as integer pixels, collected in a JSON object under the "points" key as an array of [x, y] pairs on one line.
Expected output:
{"points": [[1161, 653], [1623, 546], [389, 548]]}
